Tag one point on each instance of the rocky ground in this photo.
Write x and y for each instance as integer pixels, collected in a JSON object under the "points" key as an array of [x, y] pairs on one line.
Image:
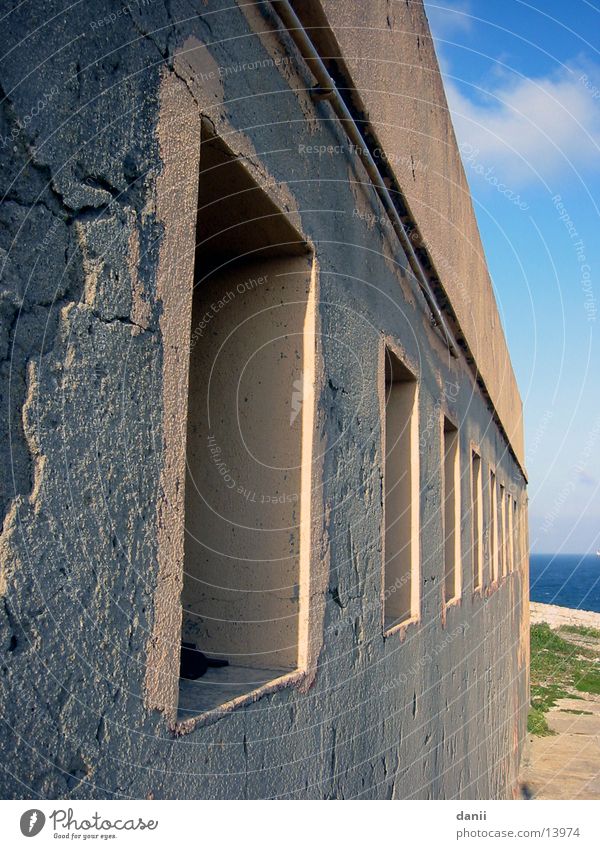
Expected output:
{"points": [[563, 757]]}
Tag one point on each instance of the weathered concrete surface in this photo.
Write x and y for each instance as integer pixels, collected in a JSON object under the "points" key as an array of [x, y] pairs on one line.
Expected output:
{"points": [[90, 454], [566, 765], [178, 133]]}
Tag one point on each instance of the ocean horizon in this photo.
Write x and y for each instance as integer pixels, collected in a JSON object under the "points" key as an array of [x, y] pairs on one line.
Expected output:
{"points": [[568, 580]]}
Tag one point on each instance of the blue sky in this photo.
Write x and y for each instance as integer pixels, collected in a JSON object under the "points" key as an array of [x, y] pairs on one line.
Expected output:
{"points": [[523, 84]]}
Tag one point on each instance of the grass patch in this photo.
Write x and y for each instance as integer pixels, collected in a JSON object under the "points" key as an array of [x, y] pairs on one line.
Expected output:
{"points": [[581, 631], [537, 724], [558, 668], [590, 682], [546, 697]]}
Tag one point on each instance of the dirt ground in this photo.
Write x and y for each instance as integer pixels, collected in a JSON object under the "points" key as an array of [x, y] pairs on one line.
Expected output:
{"points": [[564, 763]]}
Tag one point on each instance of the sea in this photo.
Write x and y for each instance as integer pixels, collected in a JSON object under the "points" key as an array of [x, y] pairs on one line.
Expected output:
{"points": [[569, 580]]}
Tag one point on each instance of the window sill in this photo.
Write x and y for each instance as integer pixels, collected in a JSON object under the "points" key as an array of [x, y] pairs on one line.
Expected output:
{"points": [[453, 602], [447, 606], [188, 719], [400, 628], [496, 585]]}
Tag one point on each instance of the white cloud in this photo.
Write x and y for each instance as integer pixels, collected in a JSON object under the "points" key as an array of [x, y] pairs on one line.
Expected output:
{"points": [[527, 128], [449, 18]]}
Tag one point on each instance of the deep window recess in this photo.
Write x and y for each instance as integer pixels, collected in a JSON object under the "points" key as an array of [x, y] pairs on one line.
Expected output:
{"points": [[451, 511], [509, 533], [249, 426], [401, 584], [476, 520], [493, 501], [515, 535], [503, 547]]}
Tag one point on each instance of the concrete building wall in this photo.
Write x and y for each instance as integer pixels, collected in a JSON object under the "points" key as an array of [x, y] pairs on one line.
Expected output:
{"points": [[98, 241]]}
